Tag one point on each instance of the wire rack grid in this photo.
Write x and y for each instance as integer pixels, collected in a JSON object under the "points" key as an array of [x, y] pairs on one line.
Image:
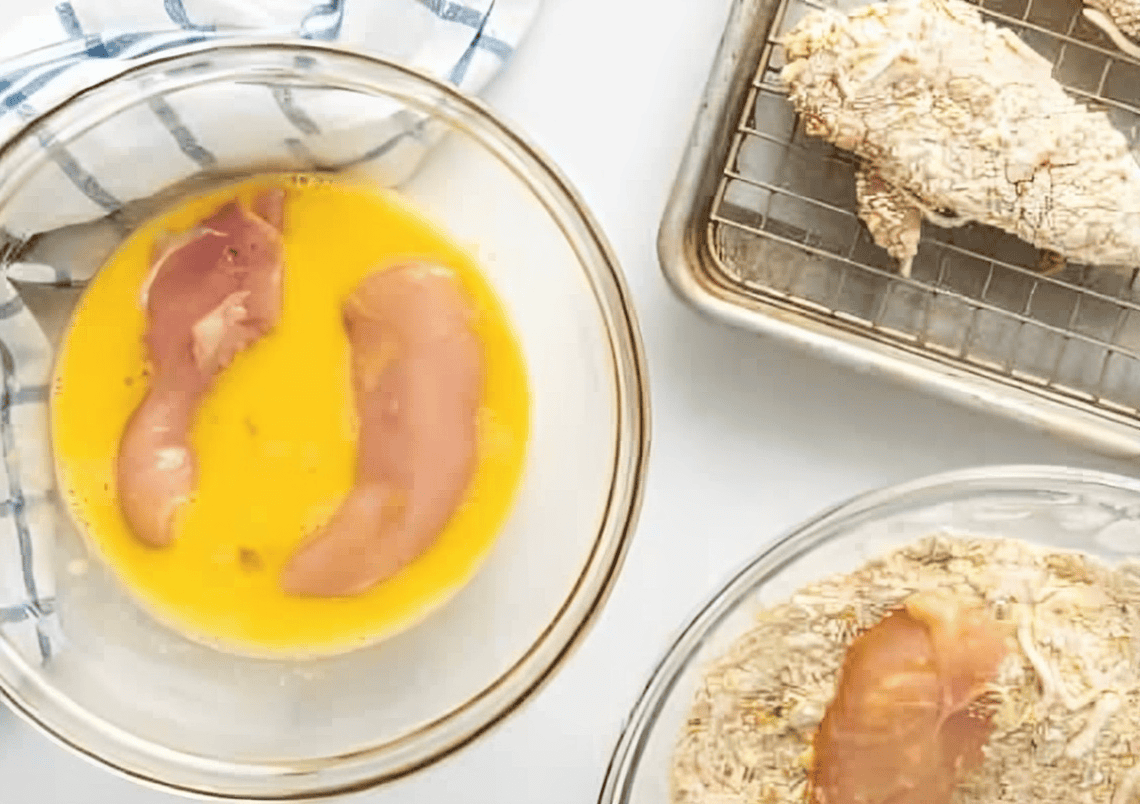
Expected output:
{"points": [[783, 225]]}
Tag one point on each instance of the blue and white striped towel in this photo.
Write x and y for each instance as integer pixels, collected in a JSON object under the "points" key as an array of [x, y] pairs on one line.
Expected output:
{"points": [[56, 48]]}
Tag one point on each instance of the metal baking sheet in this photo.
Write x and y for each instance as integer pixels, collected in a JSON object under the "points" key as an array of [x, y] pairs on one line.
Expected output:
{"points": [[761, 231]]}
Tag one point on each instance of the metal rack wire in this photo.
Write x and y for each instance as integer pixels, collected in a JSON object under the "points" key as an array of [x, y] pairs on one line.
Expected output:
{"points": [[783, 224]]}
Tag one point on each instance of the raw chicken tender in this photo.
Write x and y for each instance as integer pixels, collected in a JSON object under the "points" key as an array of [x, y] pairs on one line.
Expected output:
{"points": [[954, 119], [211, 293], [418, 378], [905, 722]]}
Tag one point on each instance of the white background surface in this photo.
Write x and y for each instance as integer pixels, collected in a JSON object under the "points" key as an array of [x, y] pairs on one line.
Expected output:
{"points": [[749, 437]]}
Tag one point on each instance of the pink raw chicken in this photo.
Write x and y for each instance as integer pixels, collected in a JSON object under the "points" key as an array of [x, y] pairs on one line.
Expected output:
{"points": [[212, 292], [418, 372], [906, 723]]}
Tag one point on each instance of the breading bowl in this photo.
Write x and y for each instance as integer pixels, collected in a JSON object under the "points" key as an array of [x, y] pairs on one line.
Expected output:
{"points": [[1054, 507]]}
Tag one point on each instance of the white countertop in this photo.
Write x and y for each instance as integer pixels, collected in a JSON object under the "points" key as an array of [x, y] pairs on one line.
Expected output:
{"points": [[749, 438]]}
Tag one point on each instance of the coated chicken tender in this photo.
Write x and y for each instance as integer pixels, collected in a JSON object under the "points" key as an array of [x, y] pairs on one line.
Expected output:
{"points": [[418, 371], [904, 724], [1119, 19], [212, 292], [954, 119]]}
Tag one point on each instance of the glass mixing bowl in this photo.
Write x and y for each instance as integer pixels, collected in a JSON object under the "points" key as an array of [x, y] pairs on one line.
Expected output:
{"points": [[97, 673], [1064, 508]]}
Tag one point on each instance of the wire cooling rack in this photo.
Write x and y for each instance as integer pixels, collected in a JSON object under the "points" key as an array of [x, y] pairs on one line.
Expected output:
{"points": [[762, 229]]}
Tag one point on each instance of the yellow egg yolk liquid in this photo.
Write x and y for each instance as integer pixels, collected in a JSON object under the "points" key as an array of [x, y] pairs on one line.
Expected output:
{"points": [[275, 439]]}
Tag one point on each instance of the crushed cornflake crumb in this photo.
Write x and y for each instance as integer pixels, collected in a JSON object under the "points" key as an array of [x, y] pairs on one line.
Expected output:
{"points": [[1067, 724]]}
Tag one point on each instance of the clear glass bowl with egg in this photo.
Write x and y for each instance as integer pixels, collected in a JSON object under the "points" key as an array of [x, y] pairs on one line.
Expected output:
{"points": [[80, 656], [1055, 508]]}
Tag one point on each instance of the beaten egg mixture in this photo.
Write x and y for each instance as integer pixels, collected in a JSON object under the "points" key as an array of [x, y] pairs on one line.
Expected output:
{"points": [[276, 437]]}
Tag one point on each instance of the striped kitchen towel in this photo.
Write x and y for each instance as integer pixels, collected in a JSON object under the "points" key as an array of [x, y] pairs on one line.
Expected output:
{"points": [[57, 48]]}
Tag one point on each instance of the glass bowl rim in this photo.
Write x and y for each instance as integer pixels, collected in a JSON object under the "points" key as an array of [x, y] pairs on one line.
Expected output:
{"points": [[623, 767], [461, 725]]}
